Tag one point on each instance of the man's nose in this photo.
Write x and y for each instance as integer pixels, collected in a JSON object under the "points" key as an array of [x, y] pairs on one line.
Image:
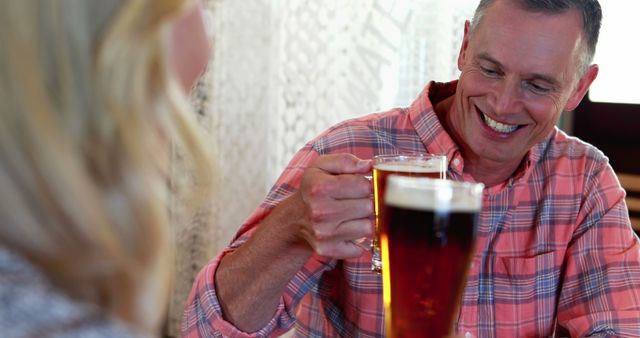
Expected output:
{"points": [[507, 97]]}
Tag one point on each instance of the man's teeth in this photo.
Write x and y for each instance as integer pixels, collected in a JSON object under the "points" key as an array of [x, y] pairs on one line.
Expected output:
{"points": [[497, 126]]}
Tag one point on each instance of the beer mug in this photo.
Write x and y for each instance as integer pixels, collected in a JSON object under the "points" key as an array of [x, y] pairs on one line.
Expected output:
{"points": [[427, 239], [419, 165]]}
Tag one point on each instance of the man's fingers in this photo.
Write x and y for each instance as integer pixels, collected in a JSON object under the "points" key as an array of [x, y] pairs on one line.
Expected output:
{"points": [[339, 205], [349, 186], [338, 211], [355, 230], [340, 249]]}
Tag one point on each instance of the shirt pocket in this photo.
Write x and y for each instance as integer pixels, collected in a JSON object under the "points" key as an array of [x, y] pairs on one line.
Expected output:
{"points": [[525, 294]]}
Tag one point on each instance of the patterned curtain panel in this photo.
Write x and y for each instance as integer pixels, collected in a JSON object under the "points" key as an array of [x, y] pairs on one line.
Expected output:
{"points": [[283, 71]]}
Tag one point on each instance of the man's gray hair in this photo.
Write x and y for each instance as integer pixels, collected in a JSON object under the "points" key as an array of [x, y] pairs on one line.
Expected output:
{"points": [[589, 10]]}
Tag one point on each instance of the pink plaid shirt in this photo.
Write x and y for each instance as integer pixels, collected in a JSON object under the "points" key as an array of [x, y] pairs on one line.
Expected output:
{"points": [[555, 245]]}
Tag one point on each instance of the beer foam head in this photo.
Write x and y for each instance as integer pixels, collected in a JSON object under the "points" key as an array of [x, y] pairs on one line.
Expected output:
{"points": [[429, 166], [433, 194]]}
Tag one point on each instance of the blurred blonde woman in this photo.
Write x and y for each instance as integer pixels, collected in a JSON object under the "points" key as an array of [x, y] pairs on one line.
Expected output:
{"points": [[91, 98]]}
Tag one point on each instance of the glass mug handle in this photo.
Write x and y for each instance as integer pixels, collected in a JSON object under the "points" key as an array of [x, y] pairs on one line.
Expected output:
{"points": [[372, 244]]}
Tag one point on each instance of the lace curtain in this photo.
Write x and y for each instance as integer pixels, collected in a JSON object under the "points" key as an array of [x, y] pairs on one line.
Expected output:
{"points": [[285, 70]]}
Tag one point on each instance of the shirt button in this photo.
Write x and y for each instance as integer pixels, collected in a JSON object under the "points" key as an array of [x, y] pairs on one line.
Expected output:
{"points": [[468, 335], [456, 162]]}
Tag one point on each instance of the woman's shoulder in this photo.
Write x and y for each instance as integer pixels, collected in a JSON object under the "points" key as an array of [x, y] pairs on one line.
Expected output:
{"points": [[30, 306]]}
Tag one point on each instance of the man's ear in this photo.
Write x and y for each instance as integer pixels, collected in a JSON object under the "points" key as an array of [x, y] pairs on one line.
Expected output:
{"points": [[581, 88], [465, 44]]}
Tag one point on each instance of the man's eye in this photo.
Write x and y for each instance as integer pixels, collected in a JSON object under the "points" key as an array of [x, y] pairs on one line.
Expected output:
{"points": [[538, 89], [489, 71]]}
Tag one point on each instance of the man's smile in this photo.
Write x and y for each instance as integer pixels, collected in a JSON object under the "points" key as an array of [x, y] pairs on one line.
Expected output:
{"points": [[496, 126]]}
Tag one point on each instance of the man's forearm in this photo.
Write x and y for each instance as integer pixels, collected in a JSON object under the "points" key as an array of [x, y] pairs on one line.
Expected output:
{"points": [[331, 208], [251, 280]]}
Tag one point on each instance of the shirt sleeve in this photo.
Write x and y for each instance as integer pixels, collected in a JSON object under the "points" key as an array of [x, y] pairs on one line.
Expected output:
{"points": [[600, 295], [203, 315]]}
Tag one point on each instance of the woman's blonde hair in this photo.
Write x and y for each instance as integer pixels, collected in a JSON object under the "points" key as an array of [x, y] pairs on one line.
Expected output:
{"points": [[88, 109]]}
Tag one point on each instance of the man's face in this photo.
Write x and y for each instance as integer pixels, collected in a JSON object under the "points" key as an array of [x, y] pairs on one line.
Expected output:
{"points": [[519, 72]]}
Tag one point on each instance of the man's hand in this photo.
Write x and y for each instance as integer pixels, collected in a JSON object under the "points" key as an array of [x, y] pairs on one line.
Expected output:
{"points": [[338, 205]]}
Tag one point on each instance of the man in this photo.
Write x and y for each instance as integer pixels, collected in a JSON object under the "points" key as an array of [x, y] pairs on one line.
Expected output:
{"points": [[555, 246]]}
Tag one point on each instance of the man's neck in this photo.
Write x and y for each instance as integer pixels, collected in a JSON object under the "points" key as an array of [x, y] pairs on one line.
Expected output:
{"points": [[488, 172]]}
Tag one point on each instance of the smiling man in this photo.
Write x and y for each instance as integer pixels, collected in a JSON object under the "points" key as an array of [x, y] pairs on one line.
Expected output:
{"points": [[555, 249], [520, 70]]}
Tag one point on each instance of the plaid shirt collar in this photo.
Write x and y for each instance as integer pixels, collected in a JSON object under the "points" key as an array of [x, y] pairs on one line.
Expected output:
{"points": [[437, 141]]}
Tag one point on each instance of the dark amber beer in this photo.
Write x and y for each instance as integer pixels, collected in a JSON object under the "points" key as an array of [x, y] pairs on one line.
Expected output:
{"points": [[418, 165], [427, 239]]}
